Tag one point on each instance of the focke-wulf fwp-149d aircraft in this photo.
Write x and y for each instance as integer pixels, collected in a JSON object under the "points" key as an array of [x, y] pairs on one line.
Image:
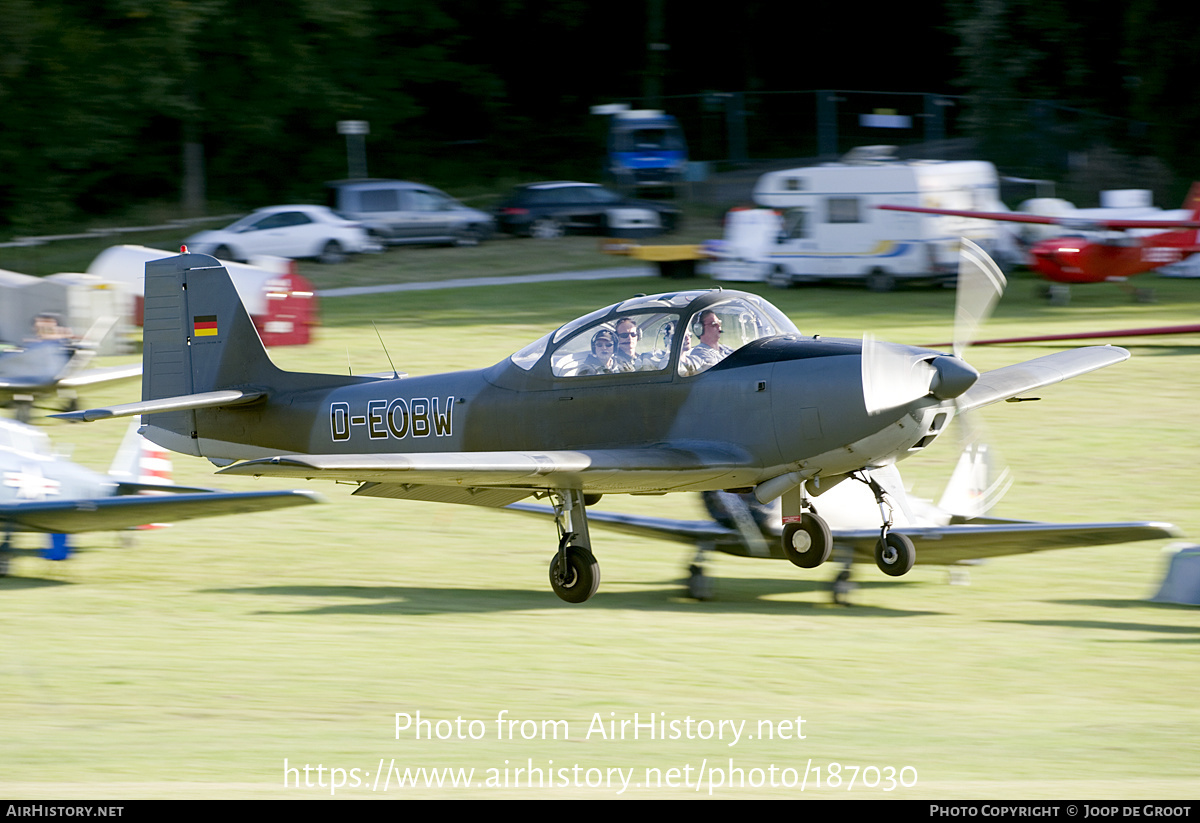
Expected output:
{"points": [[749, 404], [42, 492]]}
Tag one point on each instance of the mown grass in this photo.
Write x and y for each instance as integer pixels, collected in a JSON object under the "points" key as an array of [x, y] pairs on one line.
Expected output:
{"points": [[196, 662]]}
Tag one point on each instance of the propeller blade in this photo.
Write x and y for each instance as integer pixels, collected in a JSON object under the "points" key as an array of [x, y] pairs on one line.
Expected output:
{"points": [[980, 284], [892, 375], [980, 477]]}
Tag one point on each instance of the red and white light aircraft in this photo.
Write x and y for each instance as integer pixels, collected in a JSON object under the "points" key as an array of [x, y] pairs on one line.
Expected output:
{"points": [[1075, 258]]}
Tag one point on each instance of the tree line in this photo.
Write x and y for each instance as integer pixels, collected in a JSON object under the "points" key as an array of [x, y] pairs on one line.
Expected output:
{"points": [[110, 103]]}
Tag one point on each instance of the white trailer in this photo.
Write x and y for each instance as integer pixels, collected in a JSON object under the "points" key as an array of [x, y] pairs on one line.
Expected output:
{"points": [[830, 228]]}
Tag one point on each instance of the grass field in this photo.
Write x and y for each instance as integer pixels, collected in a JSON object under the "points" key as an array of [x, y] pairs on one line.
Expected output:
{"points": [[213, 657]]}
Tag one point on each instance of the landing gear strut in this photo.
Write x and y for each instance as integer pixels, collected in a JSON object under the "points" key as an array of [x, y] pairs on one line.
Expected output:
{"points": [[807, 539], [894, 553], [574, 572]]}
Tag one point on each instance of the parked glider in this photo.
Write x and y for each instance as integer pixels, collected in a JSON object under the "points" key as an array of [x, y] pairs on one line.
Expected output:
{"points": [[750, 404], [958, 529], [50, 366], [42, 492], [1075, 258]]}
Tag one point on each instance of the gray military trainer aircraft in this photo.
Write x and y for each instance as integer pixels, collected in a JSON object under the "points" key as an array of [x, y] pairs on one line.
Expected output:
{"points": [[689, 391]]}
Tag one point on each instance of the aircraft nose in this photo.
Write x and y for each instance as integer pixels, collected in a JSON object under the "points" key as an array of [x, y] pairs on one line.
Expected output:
{"points": [[952, 377]]}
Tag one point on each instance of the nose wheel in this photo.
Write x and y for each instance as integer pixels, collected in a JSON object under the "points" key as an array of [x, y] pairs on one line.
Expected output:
{"points": [[894, 553]]}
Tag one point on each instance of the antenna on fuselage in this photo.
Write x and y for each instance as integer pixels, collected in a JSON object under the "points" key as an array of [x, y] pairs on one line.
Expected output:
{"points": [[395, 373]]}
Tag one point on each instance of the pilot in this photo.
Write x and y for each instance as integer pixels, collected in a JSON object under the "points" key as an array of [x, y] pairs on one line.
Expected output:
{"points": [[709, 351], [48, 326], [600, 361], [628, 334]]}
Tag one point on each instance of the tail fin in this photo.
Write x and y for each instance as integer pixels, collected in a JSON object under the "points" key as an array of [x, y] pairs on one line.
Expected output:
{"points": [[198, 338], [1192, 201], [140, 461]]}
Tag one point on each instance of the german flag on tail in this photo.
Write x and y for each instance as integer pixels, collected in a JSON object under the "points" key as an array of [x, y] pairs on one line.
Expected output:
{"points": [[204, 325]]}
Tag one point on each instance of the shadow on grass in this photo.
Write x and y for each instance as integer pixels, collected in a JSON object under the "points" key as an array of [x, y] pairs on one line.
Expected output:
{"points": [[1189, 634], [17, 583], [732, 596]]}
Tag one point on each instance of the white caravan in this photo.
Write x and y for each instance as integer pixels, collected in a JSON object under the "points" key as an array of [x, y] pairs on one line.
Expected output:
{"points": [[829, 228]]}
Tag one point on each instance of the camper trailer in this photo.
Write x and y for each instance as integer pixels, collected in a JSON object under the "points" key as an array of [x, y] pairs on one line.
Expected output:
{"points": [[829, 228]]}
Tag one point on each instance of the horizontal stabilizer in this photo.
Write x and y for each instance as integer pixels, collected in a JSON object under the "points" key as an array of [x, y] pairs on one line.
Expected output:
{"points": [[1013, 381], [187, 402], [114, 513]]}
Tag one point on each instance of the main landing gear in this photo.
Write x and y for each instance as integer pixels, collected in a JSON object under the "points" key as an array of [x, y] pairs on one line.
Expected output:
{"points": [[574, 572]]}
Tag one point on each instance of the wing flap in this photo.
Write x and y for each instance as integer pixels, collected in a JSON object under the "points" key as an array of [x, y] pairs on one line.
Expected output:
{"points": [[1011, 381], [113, 513]]}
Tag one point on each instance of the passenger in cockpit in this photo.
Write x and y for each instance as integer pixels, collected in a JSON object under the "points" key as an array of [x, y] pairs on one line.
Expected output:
{"points": [[600, 361]]}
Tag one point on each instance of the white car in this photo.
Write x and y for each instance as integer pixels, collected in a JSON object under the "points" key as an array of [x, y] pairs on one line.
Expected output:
{"points": [[286, 231]]}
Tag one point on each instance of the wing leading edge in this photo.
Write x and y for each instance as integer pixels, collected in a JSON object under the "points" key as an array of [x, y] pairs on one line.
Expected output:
{"points": [[1011, 381]]}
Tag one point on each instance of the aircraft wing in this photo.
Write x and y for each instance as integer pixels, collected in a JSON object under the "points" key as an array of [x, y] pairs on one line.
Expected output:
{"points": [[122, 512], [650, 469], [935, 545], [1011, 381], [1068, 222], [946, 545], [104, 374]]}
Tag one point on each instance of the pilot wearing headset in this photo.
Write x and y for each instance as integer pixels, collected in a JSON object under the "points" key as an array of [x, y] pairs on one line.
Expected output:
{"points": [[709, 351], [604, 347]]}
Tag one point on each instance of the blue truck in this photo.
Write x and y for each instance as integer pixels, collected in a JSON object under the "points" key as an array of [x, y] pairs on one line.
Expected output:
{"points": [[646, 151]]}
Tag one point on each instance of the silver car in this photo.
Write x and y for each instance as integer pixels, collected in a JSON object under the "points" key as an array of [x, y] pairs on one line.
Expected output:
{"points": [[396, 212]]}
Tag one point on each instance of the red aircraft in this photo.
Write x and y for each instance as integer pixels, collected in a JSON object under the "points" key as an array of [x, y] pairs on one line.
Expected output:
{"points": [[1079, 259]]}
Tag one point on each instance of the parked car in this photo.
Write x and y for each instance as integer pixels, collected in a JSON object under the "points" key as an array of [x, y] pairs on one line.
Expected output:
{"points": [[396, 212], [554, 208], [286, 231]]}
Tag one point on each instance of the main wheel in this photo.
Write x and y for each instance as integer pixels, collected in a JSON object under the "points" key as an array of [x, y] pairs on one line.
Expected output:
{"points": [[807, 542], [332, 253], [579, 581], [895, 554], [224, 253], [546, 228]]}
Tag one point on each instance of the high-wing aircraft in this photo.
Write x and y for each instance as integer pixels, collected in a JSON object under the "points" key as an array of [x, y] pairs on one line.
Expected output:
{"points": [[57, 364], [707, 390], [42, 492], [958, 529], [1075, 258]]}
